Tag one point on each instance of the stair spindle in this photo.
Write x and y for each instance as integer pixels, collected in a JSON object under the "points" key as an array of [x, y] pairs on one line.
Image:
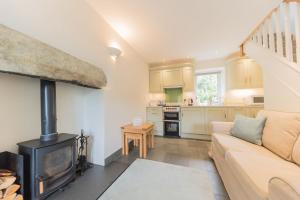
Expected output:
{"points": [[271, 35], [260, 36], [279, 43], [265, 35], [287, 29], [297, 31]]}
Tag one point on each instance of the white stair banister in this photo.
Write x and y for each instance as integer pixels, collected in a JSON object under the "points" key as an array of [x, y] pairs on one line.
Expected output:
{"points": [[279, 32]]}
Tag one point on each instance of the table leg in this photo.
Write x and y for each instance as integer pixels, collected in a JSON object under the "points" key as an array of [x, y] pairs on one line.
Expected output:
{"points": [[141, 147], [144, 144], [152, 139], [123, 143], [148, 141], [126, 145]]}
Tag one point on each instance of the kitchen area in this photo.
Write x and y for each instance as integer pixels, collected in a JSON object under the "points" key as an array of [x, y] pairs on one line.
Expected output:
{"points": [[185, 98]]}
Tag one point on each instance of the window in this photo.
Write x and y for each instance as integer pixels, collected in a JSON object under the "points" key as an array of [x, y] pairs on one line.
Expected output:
{"points": [[208, 88]]}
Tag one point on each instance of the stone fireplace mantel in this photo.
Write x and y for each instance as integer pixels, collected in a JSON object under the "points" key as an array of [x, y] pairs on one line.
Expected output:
{"points": [[23, 55]]}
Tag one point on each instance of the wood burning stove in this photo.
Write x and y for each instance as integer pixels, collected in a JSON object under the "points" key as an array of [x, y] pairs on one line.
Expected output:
{"points": [[49, 162]]}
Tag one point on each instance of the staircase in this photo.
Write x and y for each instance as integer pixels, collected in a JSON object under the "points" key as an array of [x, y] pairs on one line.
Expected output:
{"points": [[275, 45]]}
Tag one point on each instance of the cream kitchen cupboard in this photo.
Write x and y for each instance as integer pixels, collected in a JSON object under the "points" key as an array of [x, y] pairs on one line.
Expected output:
{"points": [[193, 121], [254, 73], [243, 74], [188, 78], [217, 114], [253, 111], [196, 120], [233, 111], [172, 78], [155, 81], [236, 75], [155, 116]]}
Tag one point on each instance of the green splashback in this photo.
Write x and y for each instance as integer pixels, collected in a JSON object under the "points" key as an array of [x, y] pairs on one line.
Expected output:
{"points": [[173, 95]]}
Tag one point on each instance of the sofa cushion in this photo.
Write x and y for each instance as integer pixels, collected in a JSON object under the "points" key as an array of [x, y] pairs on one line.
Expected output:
{"points": [[254, 171], [224, 143], [248, 129], [296, 152], [280, 132]]}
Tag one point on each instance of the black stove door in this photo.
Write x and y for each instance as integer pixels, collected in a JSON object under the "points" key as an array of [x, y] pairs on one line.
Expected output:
{"points": [[171, 128]]}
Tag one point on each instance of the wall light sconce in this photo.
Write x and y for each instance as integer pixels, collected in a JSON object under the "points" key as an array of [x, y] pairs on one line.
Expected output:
{"points": [[114, 52]]}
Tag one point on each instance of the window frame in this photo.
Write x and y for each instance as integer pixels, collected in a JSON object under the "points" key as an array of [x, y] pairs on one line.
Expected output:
{"points": [[221, 81]]}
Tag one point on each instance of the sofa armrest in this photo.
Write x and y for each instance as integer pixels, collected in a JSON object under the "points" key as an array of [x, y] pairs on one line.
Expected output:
{"points": [[287, 188], [220, 127]]}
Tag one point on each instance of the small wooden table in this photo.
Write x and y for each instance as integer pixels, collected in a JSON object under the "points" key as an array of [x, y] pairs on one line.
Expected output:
{"points": [[143, 133]]}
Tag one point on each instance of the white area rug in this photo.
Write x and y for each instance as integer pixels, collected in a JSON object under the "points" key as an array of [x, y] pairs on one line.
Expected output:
{"points": [[151, 180]]}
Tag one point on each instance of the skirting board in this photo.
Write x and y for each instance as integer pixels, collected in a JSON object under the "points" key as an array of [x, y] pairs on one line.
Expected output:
{"points": [[116, 155]]}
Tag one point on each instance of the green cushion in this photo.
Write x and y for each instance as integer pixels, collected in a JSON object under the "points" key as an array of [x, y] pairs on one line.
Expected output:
{"points": [[249, 129]]}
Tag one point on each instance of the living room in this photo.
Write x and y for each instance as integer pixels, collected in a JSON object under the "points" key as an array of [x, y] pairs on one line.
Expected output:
{"points": [[212, 82]]}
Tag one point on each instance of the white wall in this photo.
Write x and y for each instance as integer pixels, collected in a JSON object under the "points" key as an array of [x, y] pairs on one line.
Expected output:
{"points": [[281, 80], [19, 110], [213, 63], [74, 27]]}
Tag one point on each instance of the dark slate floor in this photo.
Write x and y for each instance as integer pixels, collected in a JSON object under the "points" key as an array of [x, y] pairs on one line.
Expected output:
{"points": [[190, 153]]}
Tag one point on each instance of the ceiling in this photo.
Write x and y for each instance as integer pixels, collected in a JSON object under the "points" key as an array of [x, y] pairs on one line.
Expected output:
{"points": [[169, 29]]}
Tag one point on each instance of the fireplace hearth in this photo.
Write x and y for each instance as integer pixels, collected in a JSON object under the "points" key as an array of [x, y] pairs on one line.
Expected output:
{"points": [[50, 161]]}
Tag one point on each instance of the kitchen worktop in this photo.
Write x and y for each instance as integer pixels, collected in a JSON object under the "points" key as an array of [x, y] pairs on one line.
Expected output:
{"points": [[218, 106], [212, 106]]}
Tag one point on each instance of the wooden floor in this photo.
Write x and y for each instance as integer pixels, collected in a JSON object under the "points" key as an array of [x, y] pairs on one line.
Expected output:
{"points": [[190, 153]]}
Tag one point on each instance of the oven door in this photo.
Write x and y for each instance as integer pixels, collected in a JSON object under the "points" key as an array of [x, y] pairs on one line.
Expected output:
{"points": [[171, 115], [172, 128]]}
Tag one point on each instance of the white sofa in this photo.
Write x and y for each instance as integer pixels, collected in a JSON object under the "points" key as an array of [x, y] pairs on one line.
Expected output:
{"points": [[267, 172]]}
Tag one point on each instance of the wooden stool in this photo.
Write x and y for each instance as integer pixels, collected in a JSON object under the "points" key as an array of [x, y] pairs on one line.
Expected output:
{"points": [[141, 134], [137, 139]]}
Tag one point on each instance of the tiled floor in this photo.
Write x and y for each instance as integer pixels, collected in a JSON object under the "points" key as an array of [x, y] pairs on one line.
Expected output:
{"points": [[190, 153]]}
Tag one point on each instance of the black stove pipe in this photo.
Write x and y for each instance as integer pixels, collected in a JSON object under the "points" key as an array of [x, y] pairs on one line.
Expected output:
{"points": [[48, 111]]}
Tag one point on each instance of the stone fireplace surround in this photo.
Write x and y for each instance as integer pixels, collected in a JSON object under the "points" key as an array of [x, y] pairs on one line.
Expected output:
{"points": [[22, 55]]}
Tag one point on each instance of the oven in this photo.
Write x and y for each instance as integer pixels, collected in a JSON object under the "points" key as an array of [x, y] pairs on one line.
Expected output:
{"points": [[172, 121]]}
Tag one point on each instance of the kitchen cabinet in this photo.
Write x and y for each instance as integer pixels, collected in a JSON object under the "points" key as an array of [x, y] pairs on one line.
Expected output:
{"points": [[193, 121], [243, 73], [158, 128], [233, 111], [188, 79], [254, 73], [155, 116], [172, 78], [196, 120], [217, 114], [155, 81], [236, 75], [181, 76], [253, 111]]}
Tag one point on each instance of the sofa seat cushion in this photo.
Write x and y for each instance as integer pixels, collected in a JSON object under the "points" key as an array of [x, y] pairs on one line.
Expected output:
{"points": [[225, 142], [255, 171]]}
